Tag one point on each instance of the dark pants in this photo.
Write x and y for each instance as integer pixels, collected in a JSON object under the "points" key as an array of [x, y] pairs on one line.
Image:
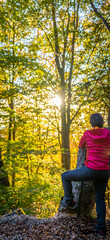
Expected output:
{"points": [[100, 179]]}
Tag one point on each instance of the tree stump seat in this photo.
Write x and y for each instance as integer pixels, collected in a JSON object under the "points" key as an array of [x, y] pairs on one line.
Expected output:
{"points": [[83, 192]]}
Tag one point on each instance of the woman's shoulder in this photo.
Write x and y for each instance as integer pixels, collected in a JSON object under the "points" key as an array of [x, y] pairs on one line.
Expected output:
{"points": [[102, 132], [95, 131]]}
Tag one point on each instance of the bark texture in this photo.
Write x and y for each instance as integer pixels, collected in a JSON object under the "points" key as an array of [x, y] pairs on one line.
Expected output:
{"points": [[83, 192], [3, 174]]}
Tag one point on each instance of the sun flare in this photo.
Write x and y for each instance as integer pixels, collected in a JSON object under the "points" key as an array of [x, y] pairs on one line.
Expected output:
{"points": [[56, 100]]}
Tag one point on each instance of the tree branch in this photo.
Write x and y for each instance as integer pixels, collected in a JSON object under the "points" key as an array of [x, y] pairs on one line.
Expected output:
{"points": [[105, 90], [81, 106], [46, 37], [73, 43], [100, 16], [65, 40], [75, 23], [56, 40], [105, 103], [50, 117]]}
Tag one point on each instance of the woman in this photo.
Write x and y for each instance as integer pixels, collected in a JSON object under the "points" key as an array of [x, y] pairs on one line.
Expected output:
{"points": [[96, 168]]}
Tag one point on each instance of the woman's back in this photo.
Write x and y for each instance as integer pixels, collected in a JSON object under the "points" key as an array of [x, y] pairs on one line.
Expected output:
{"points": [[97, 142]]}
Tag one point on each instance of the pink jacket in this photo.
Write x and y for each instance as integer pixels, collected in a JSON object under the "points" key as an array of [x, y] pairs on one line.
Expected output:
{"points": [[97, 142]]}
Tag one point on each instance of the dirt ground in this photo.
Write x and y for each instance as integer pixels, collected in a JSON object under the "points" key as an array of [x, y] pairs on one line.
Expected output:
{"points": [[18, 226]]}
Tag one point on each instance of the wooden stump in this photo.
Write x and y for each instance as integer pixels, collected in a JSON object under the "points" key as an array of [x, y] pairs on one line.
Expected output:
{"points": [[83, 192]]}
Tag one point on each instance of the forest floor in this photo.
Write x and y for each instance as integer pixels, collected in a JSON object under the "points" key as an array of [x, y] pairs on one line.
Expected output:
{"points": [[18, 226]]}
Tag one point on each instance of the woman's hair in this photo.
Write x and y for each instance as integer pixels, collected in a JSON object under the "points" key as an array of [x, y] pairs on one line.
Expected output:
{"points": [[96, 120]]}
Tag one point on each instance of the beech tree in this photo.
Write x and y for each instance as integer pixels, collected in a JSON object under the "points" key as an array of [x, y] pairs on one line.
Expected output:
{"points": [[69, 45], [63, 44]]}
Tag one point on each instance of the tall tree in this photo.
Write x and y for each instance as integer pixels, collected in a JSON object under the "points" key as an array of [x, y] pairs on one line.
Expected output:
{"points": [[63, 46]]}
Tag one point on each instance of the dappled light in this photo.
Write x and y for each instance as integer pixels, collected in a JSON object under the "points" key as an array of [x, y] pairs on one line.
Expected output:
{"points": [[54, 72]]}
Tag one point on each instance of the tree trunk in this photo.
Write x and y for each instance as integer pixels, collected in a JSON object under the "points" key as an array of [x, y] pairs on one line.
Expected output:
{"points": [[60, 64], [3, 174], [65, 158], [83, 192]]}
